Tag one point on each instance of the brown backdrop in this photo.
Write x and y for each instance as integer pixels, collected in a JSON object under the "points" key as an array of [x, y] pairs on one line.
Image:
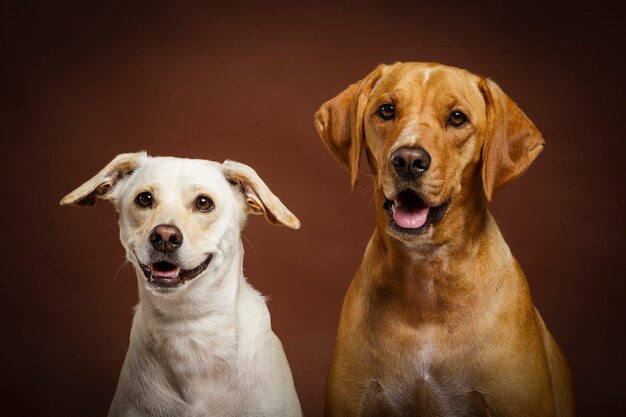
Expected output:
{"points": [[83, 82]]}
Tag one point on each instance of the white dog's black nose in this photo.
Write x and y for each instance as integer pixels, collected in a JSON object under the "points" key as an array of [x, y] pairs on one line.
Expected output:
{"points": [[410, 162], [166, 238]]}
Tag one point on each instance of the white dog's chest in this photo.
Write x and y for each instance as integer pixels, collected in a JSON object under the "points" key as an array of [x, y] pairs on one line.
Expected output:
{"points": [[210, 397], [193, 350], [185, 380]]}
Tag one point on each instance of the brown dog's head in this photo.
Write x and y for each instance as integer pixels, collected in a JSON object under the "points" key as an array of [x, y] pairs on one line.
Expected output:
{"points": [[438, 139]]}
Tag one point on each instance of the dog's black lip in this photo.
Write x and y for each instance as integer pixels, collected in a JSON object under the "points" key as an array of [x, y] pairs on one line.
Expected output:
{"points": [[184, 274], [435, 215]]}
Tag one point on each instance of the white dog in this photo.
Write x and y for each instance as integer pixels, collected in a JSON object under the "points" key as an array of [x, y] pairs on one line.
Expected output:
{"points": [[201, 343]]}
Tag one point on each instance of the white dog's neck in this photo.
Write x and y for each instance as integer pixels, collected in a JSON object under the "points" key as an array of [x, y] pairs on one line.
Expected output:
{"points": [[195, 333]]}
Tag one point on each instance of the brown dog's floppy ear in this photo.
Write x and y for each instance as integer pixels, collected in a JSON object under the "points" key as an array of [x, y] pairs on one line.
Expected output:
{"points": [[100, 186], [259, 198], [512, 142], [339, 122]]}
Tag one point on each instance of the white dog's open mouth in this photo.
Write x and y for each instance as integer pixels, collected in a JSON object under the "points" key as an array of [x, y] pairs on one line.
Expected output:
{"points": [[165, 274], [410, 214]]}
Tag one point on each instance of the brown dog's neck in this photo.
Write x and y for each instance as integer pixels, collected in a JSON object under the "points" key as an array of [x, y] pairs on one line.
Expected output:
{"points": [[437, 275]]}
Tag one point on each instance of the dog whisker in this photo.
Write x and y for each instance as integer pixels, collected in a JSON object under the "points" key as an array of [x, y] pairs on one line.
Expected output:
{"points": [[107, 227], [122, 266], [249, 242], [366, 189]]}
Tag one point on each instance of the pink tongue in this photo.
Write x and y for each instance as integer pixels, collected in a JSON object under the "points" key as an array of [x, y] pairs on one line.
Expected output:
{"points": [[410, 219], [169, 273]]}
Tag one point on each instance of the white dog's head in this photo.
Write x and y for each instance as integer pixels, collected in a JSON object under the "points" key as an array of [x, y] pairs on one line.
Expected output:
{"points": [[180, 218]]}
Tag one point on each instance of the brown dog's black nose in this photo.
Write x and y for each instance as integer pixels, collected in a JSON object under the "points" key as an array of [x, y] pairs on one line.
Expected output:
{"points": [[410, 162], [166, 238]]}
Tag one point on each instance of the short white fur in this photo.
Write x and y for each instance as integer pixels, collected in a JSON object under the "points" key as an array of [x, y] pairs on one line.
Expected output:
{"points": [[205, 348]]}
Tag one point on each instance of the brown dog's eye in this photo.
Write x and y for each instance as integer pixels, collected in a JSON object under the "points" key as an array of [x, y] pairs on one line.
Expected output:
{"points": [[144, 200], [387, 111], [204, 203], [457, 118]]}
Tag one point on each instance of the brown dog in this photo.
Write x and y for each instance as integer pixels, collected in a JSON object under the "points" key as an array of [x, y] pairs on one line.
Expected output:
{"points": [[438, 320]]}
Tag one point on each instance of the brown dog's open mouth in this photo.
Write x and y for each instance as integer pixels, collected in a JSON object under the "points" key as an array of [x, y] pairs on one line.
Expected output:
{"points": [[165, 274], [410, 214]]}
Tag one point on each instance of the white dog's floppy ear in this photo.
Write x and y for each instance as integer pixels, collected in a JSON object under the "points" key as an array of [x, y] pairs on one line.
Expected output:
{"points": [[339, 122], [512, 142], [100, 186], [259, 198]]}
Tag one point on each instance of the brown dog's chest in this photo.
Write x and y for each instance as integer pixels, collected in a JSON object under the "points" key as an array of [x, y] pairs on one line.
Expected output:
{"points": [[426, 376], [423, 399], [425, 351]]}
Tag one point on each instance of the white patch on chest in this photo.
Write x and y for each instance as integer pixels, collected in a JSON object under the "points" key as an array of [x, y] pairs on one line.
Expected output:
{"points": [[425, 354]]}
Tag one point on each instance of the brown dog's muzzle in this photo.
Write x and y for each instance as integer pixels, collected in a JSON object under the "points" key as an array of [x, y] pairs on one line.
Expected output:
{"points": [[409, 213], [410, 162]]}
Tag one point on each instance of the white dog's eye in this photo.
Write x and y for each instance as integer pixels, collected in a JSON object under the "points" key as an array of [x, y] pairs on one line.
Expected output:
{"points": [[387, 111], [144, 200], [204, 203], [457, 118]]}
